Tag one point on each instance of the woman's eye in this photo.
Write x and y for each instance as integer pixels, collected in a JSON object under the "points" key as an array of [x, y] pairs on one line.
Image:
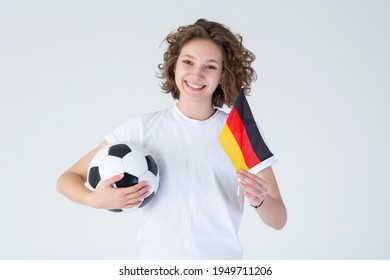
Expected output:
{"points": [[187, 62]]}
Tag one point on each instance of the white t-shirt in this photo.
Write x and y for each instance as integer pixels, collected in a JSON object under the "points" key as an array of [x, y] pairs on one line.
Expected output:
{"points": [[196, 211]]}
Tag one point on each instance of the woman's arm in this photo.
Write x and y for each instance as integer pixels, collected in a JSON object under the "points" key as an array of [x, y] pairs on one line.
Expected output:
{"points": [[262, 189], [72, 184]]}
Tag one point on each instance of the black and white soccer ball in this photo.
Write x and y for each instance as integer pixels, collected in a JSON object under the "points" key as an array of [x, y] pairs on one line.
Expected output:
{"points": [[134, 161]]}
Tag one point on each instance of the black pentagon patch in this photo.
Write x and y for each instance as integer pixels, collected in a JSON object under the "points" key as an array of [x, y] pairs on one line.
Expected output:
{"points": [[116, 210], [94, 177], [128, 180], [119, 150], [146, 200], [152, 165]]}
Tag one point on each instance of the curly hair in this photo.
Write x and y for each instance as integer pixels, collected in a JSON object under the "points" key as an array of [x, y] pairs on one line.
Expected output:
{"points": [[236, 71]]}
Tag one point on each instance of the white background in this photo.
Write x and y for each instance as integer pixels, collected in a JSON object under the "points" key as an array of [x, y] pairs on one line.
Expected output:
{"points": [[70, 71]]}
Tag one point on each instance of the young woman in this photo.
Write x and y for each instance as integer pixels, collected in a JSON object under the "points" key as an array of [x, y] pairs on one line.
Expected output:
{"points": [[196, 211]]}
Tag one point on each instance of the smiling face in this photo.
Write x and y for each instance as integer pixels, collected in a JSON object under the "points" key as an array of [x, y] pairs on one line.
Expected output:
{"points": [[198, 71]]}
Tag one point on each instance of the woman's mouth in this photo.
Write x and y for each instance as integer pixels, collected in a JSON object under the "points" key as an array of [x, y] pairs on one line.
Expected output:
{"points": [[194, 86]]}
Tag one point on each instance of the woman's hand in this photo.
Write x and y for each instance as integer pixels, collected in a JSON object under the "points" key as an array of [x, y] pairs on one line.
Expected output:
{"points": [[106, 196], [254, 188]]}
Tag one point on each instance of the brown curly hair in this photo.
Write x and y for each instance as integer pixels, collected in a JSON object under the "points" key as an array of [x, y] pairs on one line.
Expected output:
{"points": [[236, 71]]}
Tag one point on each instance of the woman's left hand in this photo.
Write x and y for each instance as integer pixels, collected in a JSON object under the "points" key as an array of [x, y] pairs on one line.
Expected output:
{"points": [[254, 188]]}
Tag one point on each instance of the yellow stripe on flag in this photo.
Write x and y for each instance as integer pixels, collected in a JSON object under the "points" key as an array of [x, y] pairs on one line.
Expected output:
{"points": [[232, 148]]}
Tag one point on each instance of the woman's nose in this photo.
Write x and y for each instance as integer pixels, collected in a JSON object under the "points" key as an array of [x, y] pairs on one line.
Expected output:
{"points": [[197, 72]]}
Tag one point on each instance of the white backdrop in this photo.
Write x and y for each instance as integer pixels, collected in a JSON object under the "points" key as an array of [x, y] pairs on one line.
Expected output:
{"points": [[70, 71]]}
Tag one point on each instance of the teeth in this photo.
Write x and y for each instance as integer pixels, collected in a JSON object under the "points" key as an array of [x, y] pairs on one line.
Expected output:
{"points": [[194, 85]]}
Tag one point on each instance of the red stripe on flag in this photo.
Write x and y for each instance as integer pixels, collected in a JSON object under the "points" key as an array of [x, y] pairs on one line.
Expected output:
{"points": [[237, 128]]}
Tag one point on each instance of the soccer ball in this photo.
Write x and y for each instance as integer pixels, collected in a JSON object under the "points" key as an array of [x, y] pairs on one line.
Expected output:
{"points": [[134, 161]]}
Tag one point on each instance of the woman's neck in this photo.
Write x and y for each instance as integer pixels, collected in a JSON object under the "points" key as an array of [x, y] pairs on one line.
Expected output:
{"points": [[196, 111]]}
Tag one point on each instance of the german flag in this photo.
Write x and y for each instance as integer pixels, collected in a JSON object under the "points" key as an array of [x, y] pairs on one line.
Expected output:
{"points": [[241, 138]]}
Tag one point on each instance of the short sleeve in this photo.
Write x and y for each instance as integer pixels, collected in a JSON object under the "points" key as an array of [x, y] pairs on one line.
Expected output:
{"points": [[130, 131]]}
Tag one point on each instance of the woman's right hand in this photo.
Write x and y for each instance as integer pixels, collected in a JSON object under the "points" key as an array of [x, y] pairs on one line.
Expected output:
{"points": [[107, 196]]}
